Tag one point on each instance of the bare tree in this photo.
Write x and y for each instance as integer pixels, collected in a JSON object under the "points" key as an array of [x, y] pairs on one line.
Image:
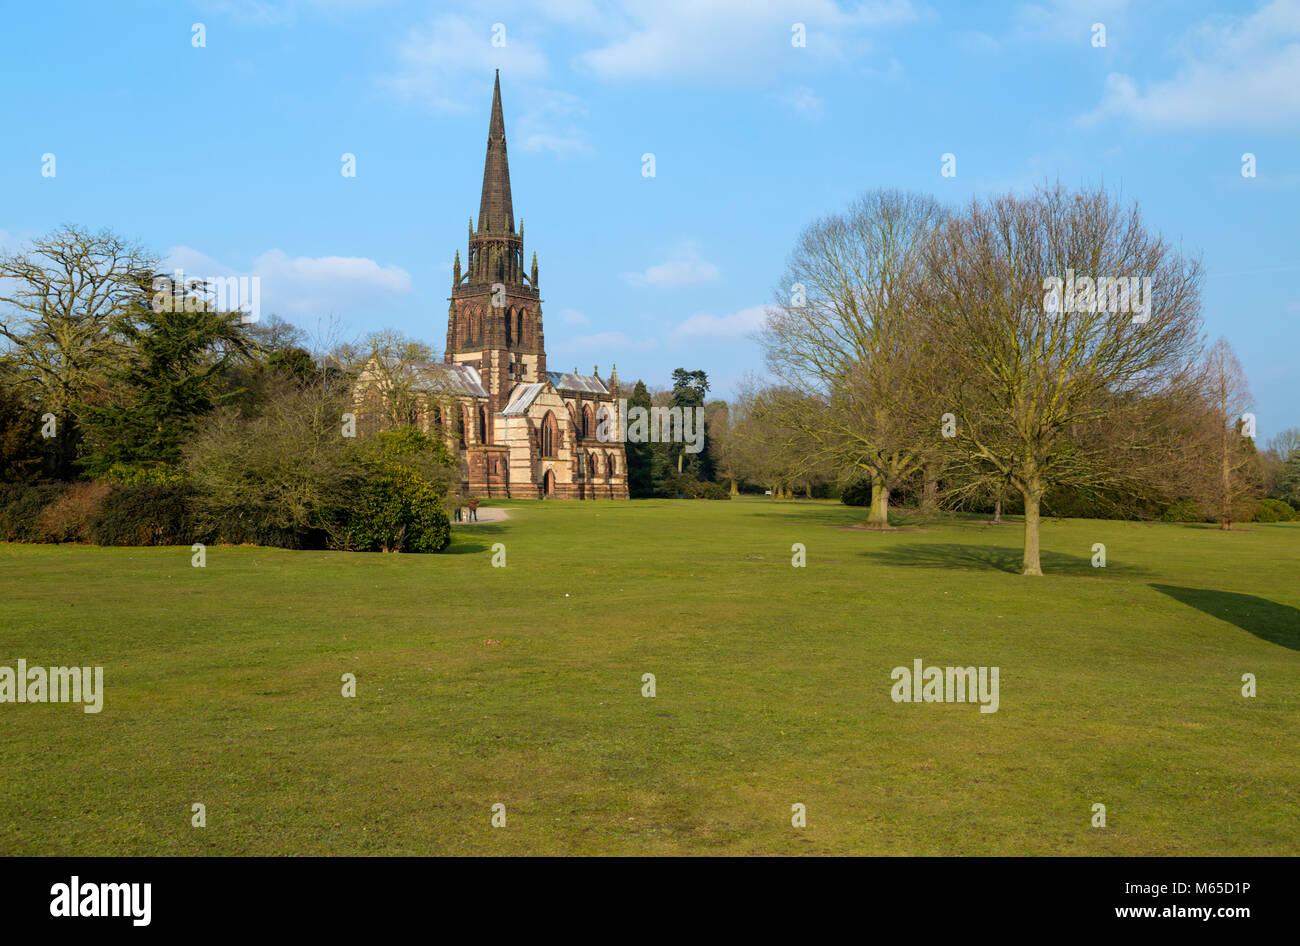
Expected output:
{"points": [[65, 298], [838, 340], [1234, 469], [1046, 384]]}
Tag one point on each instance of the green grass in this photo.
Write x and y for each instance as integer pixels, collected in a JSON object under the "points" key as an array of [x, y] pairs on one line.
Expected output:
{"points": [[1119, 685]]}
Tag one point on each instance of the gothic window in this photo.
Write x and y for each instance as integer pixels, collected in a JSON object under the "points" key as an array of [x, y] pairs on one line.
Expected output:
{"points": [[588, 427], [550, 435], [510, 326], [482, 424], [460, 426], [609, 465]]}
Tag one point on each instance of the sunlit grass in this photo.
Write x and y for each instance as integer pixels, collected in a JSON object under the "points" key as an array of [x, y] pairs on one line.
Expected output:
{"points": [[522, 685]]}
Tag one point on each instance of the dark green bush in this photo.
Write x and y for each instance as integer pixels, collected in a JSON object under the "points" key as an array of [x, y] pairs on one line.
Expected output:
{"points": [[21, 505], [395, 501], [857, 493], [1274, 510], [145, 515]]}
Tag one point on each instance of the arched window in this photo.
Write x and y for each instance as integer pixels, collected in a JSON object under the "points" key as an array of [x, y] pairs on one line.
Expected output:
{"points": [[523, 317], [609, 464], [482, 424], [588, 425], [460, 426], [510, 327], [550, 435]]}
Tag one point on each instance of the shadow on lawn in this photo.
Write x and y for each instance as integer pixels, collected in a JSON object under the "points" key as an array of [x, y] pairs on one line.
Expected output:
{"points": [[1267, 620], [468, 539], [997, 558]]}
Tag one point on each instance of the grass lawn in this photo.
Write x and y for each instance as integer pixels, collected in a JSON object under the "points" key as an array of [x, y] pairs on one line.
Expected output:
{"points": [[522, 685]]}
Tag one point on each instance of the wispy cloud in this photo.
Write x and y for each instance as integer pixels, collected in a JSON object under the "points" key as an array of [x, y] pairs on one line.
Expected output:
{"points": [[733, 325], [804, 101], [300, 286], [1242, 72], [435, 60], [734, 40], [686, 267], [551, 123]]}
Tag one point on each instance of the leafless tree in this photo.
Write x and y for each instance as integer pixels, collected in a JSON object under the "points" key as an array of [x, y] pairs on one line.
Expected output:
{"points": [[838, 340], [1049, 389]]}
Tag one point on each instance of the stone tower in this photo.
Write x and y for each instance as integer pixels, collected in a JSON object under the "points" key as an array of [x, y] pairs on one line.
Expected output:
{"points": [[495, 318]]}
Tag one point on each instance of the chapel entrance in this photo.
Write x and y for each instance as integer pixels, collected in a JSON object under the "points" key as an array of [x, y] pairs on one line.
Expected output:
{"points": [[548, 484]]}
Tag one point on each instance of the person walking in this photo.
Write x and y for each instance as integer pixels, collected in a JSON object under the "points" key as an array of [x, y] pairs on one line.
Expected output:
{"points": [[473, 509]]}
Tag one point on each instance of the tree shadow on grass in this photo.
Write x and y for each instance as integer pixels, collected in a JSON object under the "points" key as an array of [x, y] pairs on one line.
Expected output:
{"points": [[469, 539], [1267, 620], [994, 557]]}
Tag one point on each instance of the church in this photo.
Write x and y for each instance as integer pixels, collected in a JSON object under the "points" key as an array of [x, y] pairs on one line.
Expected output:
{"points": [[519, 429]]}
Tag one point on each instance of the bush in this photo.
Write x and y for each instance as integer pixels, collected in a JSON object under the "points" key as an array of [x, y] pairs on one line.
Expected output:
{"points": [[857, 493], [685, 486], [68, 517], [395, 504], [145, 515], [1274, 510], [1183, 512], [21, 506], [712, 491]]}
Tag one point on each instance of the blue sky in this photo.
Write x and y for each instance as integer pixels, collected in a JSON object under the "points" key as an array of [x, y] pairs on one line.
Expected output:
{"points": [[227, 158]]}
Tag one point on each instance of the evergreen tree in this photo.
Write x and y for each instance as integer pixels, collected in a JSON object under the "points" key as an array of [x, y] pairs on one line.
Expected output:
{"points": [[640, 481]]}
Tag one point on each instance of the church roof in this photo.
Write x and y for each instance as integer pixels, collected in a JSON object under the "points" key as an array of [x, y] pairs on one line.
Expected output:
{"points": [[442, 378], [566, 381], [495, 212], [524, 395]]}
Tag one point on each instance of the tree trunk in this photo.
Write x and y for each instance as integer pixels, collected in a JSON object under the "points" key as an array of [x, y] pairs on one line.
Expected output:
{"points": [[1032, 566], [930, 495], [879, 503], [807, 491], [734, 490], [997, 510], [1225, 511]]}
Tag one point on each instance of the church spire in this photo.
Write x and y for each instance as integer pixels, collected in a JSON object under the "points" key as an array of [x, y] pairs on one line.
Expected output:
{"points": [[495, 213]]}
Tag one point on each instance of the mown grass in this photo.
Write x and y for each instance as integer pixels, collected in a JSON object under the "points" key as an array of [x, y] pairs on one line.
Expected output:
{"points": [[522, 685]]}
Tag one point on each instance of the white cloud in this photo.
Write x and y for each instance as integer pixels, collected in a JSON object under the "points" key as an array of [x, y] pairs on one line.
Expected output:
{"points": [[551, 124], [573, 317], [735, 40], [704, 325], [1239, 73], [295, 287], [804, 101], [437, 61], [685, 268]]}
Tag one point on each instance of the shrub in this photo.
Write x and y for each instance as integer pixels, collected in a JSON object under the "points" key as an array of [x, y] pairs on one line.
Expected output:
{"points": [[711, 490], [1274, 510], [857, 493], [395, 504], [1183, 512], [68, 517], [145, 515], [21, 506]]}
